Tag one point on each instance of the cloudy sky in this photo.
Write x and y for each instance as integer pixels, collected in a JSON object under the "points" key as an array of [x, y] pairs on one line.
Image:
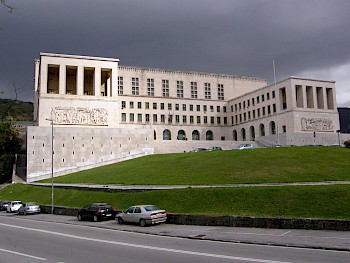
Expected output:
{"points": [[305, 38]]}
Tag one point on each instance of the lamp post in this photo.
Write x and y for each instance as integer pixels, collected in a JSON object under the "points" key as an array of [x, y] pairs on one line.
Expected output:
{"points": [[52, 195]]}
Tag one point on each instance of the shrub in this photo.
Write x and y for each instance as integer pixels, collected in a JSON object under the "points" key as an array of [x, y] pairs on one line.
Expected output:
{"points": [[347, 144]]}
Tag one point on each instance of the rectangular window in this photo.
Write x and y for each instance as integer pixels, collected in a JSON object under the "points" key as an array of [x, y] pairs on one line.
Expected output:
{"points": [[146, 105], [220, 91], [155, 118], [211, 108], [268, 96], [177, 106], [274, 108], [225, 120], [262, 98], [120, 85], [177, 118], [258, 113], [191, 107], [169, 106], [248, 103], [131, 104], [248, 115], [191, 119], [273, 94], [253, 114], [224, 109], [218, 119], [218, 108], [123, 104], [139, 105], [184, 107], [154, 105], [268, 109], [180, 88], [162, 106], [198, 107], [139, 117], [240, 106], [243, 104], [245, 116], [131, 116], [263, 111], [123, 117], [194, 90], [147, 118], [165, 87], [205, 108], [207, 91], [162, 118], [257, 100], [198, 119], [184, 119], [135, 86], [212, 120], [150, 87], [253, 102], [205, 120]]}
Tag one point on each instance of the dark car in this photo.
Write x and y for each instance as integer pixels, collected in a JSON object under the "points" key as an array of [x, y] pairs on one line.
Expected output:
{"points": [[214, 149], [3, 205], [96, 212]]}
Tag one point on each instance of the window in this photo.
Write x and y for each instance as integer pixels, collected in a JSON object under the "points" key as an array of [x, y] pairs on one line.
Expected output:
{"points": [[205, 120], [257, 100], [243, 104], [177, 118], [273, 94], [253, 102], [191, 107], [169, 106], [268, 96], [154, 105], [191, 119], [218, 119], [212, 120], [198, 107], [263, 111], [139, 117], [147, 118], [262, 98], [177, 106], [180, 89], [225, 120], [205, 108], [207, 91], [123, 117], [162, 118], [165, 87], [198, 119], [150, 87], [131, 116], [120, 85], [194, 90], [123, 104], [224, 109], [135, 86], [184, 107], [131, 104], [184, 119], [269, 110], [139, 105], [146, 105], [220, 91], [211, 108], [218, 108], [155, 119], [162, 106]]}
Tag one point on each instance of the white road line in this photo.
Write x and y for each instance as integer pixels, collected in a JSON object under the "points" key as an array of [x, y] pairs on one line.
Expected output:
{"points": [[149, 247], [286, 233], [21, 254]]}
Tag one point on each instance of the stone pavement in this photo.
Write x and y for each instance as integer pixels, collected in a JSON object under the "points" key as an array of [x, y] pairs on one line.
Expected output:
{"points": [[314, 239]]}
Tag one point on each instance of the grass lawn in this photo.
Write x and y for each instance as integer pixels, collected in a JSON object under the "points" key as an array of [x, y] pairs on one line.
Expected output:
{"points": [[330, 202], [269, 165]]}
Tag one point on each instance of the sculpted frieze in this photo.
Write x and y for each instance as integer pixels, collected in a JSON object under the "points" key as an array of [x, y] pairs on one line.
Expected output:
{"points": [[79, 116], [316, 124]]}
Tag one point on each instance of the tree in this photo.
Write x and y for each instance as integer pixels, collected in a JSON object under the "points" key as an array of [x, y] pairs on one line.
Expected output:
{"points": [[10, 144], [9, 7]]}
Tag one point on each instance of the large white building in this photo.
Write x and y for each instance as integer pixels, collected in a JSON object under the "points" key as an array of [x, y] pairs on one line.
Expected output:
{"points": [[103, 112]]}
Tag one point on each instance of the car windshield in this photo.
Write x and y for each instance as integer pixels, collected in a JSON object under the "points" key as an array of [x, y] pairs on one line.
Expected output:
{"points": [[151, 208]]}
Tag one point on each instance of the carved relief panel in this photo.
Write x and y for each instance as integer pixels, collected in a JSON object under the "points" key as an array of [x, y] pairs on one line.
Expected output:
{"points": [[80, 116]]}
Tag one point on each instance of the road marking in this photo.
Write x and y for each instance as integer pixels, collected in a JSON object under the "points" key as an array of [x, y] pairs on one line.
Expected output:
{"points": [[286, 233], [21, 254], [149, 247]]}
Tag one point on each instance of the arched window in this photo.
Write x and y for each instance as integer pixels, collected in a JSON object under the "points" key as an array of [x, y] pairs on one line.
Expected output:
{"points": [[272, 127], [166, 135], [154, 135], [243, 134], [209, 136], [195, 135], [181, 135], [235, 137], [262, 129], [252, 133]]}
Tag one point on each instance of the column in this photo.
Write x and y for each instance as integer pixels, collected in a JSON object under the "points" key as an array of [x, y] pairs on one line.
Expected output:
{"points": [[62, 80], [97, 81], [80, 80]]}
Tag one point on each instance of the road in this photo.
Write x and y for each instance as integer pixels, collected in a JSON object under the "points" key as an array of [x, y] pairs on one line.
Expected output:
{"points": [[24, 239]]}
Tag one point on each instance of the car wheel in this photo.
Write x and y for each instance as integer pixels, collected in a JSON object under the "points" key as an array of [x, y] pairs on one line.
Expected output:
{"points": [[120, 221], [142, 222], [24, 212], [79, 217]]}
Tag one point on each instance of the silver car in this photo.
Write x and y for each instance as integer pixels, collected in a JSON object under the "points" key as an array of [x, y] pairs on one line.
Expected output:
{"points": [[143, 215], [29, 208]]}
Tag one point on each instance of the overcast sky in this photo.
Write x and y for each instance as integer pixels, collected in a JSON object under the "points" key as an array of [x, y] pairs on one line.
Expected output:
{"points": [[305, 38]]}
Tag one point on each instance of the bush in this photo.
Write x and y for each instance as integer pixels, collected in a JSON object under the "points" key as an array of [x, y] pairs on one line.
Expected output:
{"points": [[347, 144]]}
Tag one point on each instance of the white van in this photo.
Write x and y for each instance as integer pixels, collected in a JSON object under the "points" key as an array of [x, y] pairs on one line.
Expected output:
{"points": [[14, 206]]}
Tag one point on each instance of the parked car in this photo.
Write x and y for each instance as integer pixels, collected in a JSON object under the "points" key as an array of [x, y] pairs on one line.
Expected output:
{"points": [[13, 206], [96, 212], [199, 150], [3, 205], [143, 215], [214, 149], [29, 208], [245, 146]]}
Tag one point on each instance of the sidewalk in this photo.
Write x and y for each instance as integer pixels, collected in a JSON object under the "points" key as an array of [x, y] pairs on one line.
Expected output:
{"points": [[329, 240]]}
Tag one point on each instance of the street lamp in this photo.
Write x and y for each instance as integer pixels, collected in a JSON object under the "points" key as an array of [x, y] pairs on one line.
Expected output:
{"points": [[52, 203]]}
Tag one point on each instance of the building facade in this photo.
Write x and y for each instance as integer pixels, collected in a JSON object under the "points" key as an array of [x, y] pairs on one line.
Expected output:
{"points": [[102, 112]]}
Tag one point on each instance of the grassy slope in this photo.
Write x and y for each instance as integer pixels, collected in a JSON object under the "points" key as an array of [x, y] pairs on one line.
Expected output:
{"points": [[294, 164], [295, 201]]}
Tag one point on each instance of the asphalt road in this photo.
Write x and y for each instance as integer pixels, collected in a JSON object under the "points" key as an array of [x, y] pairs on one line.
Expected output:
{"points": [[64, 239]]}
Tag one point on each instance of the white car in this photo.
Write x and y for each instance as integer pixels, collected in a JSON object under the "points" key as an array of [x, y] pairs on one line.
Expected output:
{"points": [[245, 146], [14, 206], [143, 215]]}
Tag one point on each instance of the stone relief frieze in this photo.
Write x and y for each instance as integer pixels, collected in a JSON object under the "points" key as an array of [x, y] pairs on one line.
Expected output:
{"points": [[79, 116], [316, 124]]}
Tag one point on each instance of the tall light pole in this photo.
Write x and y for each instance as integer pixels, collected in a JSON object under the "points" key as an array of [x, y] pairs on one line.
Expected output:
{"points": [[52, 195]]}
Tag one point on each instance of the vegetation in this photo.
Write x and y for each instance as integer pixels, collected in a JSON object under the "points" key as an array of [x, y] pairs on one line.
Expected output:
{"points": [[14, 110], [270, 165], [330, 202], [10, 144], [347, 144]]}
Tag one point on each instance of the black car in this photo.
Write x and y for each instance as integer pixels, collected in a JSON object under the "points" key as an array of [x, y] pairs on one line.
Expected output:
{"points": [[96, 212], [3, 205]]}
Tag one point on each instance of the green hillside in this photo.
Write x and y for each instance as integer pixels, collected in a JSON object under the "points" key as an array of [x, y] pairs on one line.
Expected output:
{"points": [[11, 110]]}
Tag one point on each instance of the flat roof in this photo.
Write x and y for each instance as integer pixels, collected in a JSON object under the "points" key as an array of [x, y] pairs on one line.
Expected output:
{"points": [[78, 57]]}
